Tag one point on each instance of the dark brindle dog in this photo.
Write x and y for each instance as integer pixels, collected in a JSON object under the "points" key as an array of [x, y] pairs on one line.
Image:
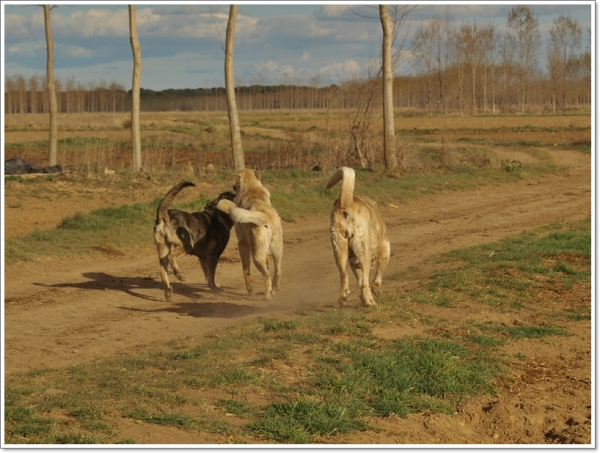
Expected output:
{"points": [[203, 234]]}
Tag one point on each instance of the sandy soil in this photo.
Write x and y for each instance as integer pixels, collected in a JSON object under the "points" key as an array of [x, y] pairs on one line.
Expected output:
{"points": [[64, 312]]}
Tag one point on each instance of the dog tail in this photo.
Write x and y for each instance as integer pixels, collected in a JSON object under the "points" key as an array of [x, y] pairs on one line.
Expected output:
{"points": [[162, 213], [347, 176], [242, 215]]}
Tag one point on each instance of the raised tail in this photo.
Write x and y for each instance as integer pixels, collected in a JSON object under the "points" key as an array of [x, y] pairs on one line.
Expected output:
{"points": [[242, 215], [347, 176], [163, 207]]}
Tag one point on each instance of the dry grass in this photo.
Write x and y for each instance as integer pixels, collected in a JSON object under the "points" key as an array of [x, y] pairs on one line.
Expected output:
{"points": [[91, 143]]}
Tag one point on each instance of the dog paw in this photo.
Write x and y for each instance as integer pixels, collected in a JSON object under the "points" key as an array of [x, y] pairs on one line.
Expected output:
{"points": [[217, 288], [180, 277], [367, 301], [376, 291], [168, 294]]}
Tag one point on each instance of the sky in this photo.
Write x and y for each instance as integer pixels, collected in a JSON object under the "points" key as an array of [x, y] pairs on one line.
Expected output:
{"points": [[182, 42]]}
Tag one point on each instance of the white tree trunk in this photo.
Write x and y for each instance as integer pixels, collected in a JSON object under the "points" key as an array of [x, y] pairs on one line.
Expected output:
{"points": [[234, 123], [53, 136], [135, 91], [389, 137]]}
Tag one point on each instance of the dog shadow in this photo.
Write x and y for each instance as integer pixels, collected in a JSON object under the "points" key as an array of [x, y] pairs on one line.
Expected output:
{"points": [[224, 310], [101, 281]]}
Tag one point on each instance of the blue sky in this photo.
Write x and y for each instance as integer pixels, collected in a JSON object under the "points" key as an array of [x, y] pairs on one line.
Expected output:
{"points": [[320, 43]]}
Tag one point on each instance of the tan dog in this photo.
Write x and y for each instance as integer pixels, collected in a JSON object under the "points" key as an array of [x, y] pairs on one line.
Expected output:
{"points": [[258, 229], [358, 234]]}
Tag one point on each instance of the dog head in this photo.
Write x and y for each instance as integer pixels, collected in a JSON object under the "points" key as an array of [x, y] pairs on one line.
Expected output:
{"points": [[244, 178], [223, 196]]}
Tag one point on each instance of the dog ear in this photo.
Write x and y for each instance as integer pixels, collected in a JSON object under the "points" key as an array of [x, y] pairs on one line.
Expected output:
{"points": [[257, 174], [236, 182]]}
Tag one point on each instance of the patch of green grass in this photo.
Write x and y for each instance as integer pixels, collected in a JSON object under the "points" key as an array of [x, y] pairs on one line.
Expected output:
{"points": [[276, 326], [301, 421], [434, 368], [171, 419], [73, 438], [512, 271], [235, 407], [580, 314], [534, 331]]}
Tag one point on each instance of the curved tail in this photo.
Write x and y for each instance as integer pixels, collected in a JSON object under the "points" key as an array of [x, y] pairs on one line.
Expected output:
{"points": [[347, 176], [242, 215], [163, 207]]}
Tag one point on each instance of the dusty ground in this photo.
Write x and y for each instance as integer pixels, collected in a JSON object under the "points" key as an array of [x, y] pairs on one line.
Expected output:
{"points": [[63, 312]]}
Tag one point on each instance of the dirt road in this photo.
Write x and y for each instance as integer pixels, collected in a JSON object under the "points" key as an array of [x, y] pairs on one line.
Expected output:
{"points": [[63, 312]]}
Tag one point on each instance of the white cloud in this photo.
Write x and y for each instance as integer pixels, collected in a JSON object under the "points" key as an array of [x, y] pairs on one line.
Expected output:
{"points": [[22, 49], [91, 23], [268, 66], [74, 51], [342, 69], [333, 11]]}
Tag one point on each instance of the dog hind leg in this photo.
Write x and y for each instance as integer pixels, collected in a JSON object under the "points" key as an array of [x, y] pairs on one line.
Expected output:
{"points": [[361, 270], [277, 253], [164, 258], [244, 249], [340, 252], [381, 262], [261, 263]]}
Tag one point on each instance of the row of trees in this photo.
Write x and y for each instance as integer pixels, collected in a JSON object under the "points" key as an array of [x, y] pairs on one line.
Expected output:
{"points": [[480, 68], [435, 93]]}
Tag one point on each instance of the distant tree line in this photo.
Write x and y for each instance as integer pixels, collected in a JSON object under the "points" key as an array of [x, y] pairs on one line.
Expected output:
{"points": [[457, 67], [30, 96]]}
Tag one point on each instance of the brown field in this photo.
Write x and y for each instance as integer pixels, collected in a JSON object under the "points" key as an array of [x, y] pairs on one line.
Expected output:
{"points": [[61, 312], [306, 138]]}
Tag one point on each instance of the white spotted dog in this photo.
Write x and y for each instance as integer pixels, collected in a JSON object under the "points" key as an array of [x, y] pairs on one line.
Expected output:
{"points": [[358, 235], [258, 229]]}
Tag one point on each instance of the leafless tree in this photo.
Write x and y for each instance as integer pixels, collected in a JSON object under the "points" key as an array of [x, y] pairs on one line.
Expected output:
{"points": [[460, 52], [423, 54], [33, 94], [234, 123], [488, 46], [562, 53], [526, 27], [136, 142], [507, 60], [53, 135]]}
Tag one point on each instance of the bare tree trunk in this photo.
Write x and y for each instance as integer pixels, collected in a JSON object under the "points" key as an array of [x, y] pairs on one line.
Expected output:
{"points": [[136, 142], [389, 140], [53, 136], [234, 123]]}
